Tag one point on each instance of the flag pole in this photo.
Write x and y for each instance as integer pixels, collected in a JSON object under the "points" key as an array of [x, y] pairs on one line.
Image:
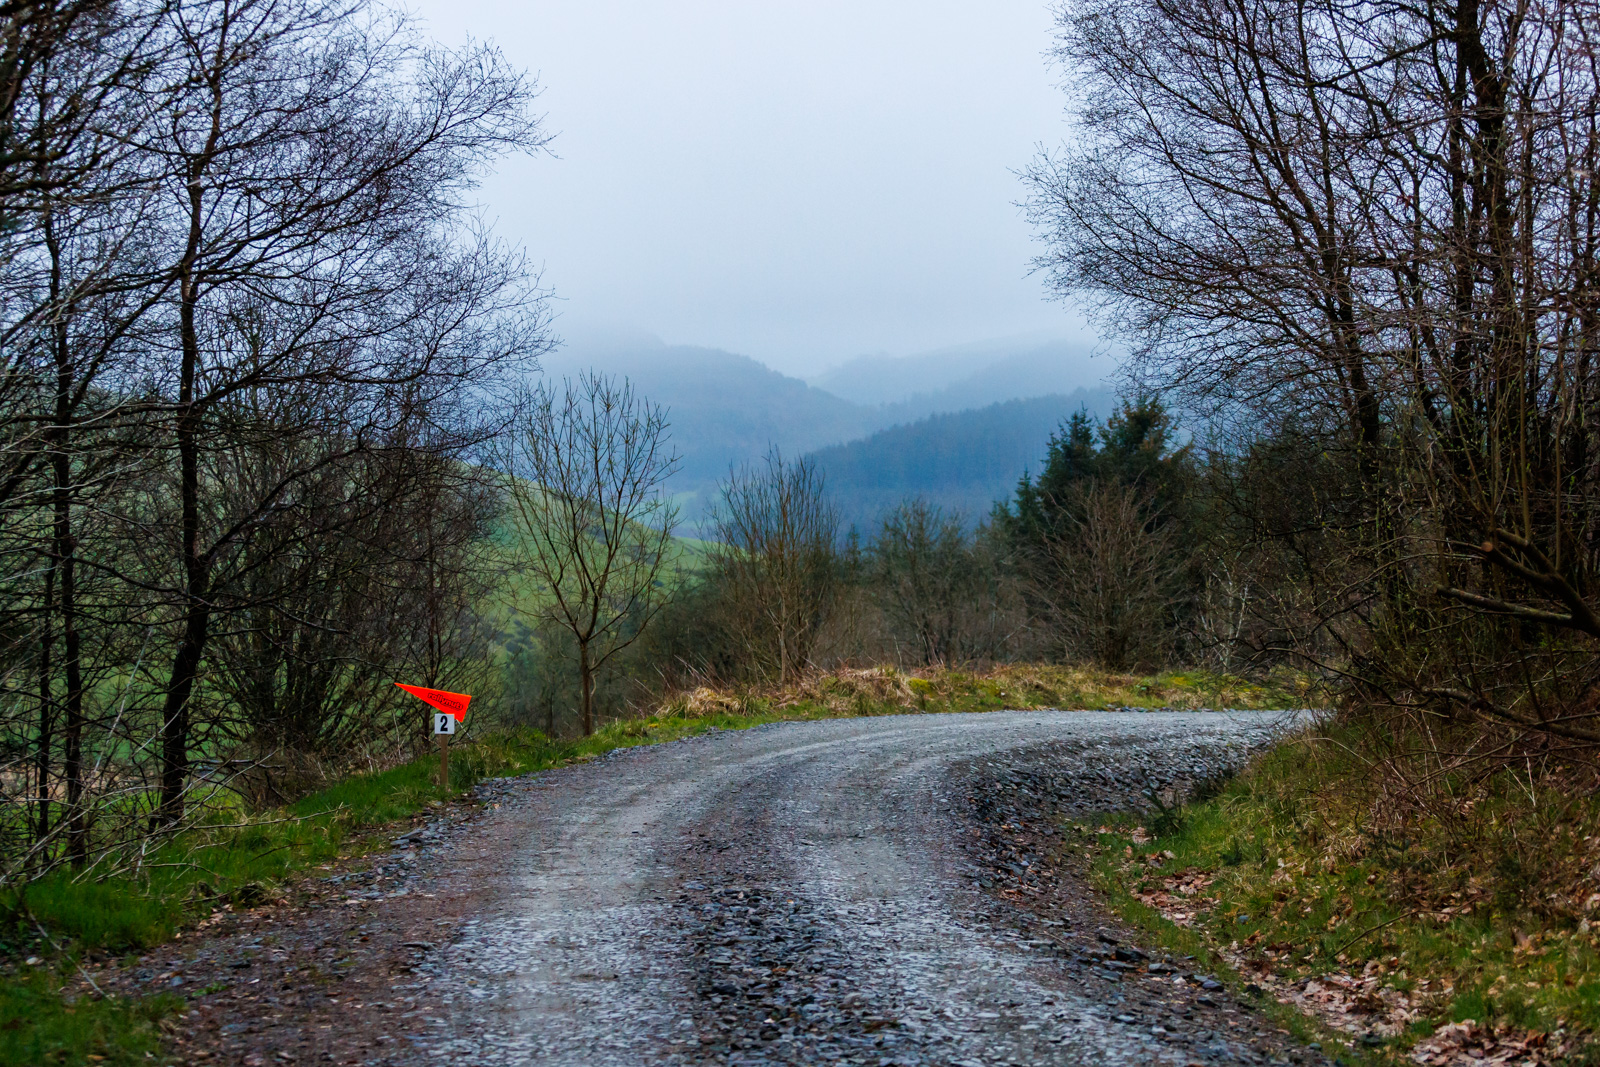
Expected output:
{"points": [[444, 763]]}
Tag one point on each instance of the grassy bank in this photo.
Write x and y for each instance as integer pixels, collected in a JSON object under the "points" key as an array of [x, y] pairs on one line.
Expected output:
{"points": [[1463, 927], [885, 691], [250, 858]]}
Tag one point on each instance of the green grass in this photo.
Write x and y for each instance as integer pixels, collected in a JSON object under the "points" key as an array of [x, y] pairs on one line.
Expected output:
{"points": [[39, 1026], [887, 691], [1308, 879], [1112, 875]]}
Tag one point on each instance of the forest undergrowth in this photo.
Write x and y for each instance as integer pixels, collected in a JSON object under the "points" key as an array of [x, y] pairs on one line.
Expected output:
{"points": [[1458, 923]]}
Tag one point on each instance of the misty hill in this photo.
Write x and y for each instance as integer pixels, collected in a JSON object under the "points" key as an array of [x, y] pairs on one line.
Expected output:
{"points": [[965, 377], [724, 408], [963, 461]]}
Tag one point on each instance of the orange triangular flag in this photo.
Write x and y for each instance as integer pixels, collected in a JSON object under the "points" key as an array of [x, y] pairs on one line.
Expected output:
{"points": [[454, 704]]}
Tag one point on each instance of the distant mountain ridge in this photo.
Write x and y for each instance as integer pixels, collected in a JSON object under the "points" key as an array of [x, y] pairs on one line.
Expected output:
{"points": [[727, 409], [965, 377], [724, 409], [961, 461]]}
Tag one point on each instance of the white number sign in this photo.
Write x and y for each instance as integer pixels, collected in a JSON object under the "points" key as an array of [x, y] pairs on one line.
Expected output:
{"points": [[443, 723]]}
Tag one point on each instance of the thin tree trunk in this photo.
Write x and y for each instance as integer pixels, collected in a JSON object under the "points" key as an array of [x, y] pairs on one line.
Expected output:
{"points": [[175, 715], [586, 683], [64, 560], [197, 614], [783, 640], [41, 826], [72, 756], [196, 624]]}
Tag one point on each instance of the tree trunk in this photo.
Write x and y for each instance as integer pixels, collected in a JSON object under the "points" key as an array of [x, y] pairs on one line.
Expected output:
{"points": [[586, 683], [41, 826], [197, 614], [783, 640], [72, 755], [64, 561], [175, 715]]}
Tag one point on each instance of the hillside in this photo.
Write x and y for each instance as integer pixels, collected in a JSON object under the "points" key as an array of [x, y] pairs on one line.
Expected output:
{"points": [[960, 378], [725, 409], [963, 461]]}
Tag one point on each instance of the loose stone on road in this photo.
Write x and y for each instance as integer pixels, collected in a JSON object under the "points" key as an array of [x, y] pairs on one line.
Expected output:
{"points": [[812, 893], [856, 891]]}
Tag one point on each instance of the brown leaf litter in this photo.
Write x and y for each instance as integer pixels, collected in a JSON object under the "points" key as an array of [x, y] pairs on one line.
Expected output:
{"points": [[1358, 1004]]}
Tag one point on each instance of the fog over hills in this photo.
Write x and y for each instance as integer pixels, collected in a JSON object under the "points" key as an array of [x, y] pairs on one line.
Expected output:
{"points": [[967, 376], [724, 408], [727, 409]]}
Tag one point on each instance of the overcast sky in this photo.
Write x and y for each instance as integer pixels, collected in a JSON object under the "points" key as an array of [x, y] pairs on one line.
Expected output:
{"points": [[797, 180]]}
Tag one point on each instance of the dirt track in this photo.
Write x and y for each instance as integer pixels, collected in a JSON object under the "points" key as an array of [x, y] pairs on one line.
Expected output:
{"points": [[854, 891]]}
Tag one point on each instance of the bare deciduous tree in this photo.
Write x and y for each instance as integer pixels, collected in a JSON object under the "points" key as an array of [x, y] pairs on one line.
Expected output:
{"points": [[1375, 223], [319, 268], [243, 292], [593, 528], [775, 554], [1106, 574], [935, 583]]}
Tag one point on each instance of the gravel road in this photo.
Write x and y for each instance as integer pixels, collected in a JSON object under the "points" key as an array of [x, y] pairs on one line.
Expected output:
{"points": [[804, 893], [860, 891]]}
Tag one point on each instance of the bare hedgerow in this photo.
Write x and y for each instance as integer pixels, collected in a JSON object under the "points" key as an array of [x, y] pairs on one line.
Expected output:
{"points": [[940, 587], [1107, 574]]}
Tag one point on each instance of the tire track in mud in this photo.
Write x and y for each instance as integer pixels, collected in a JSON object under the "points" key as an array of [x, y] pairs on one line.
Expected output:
{"points": [[772, 967]]}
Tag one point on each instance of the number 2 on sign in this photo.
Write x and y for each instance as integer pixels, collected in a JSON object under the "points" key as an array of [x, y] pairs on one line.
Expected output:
{"points": [[444, 723]]}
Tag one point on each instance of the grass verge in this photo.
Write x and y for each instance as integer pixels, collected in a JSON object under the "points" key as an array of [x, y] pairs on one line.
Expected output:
{"points": [[246, 860], [1468, 933], [886, 691]]}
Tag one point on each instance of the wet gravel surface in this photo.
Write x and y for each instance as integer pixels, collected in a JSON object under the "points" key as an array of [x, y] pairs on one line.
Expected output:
{"points": [[868, 891]]}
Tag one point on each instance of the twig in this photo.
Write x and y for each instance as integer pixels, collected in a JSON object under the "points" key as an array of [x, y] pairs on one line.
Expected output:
{"points": [[1375, 929], [57, 946]]}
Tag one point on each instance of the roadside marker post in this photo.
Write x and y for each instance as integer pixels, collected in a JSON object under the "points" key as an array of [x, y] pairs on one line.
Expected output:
{"points": [[451, 709], [444, 724]]}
